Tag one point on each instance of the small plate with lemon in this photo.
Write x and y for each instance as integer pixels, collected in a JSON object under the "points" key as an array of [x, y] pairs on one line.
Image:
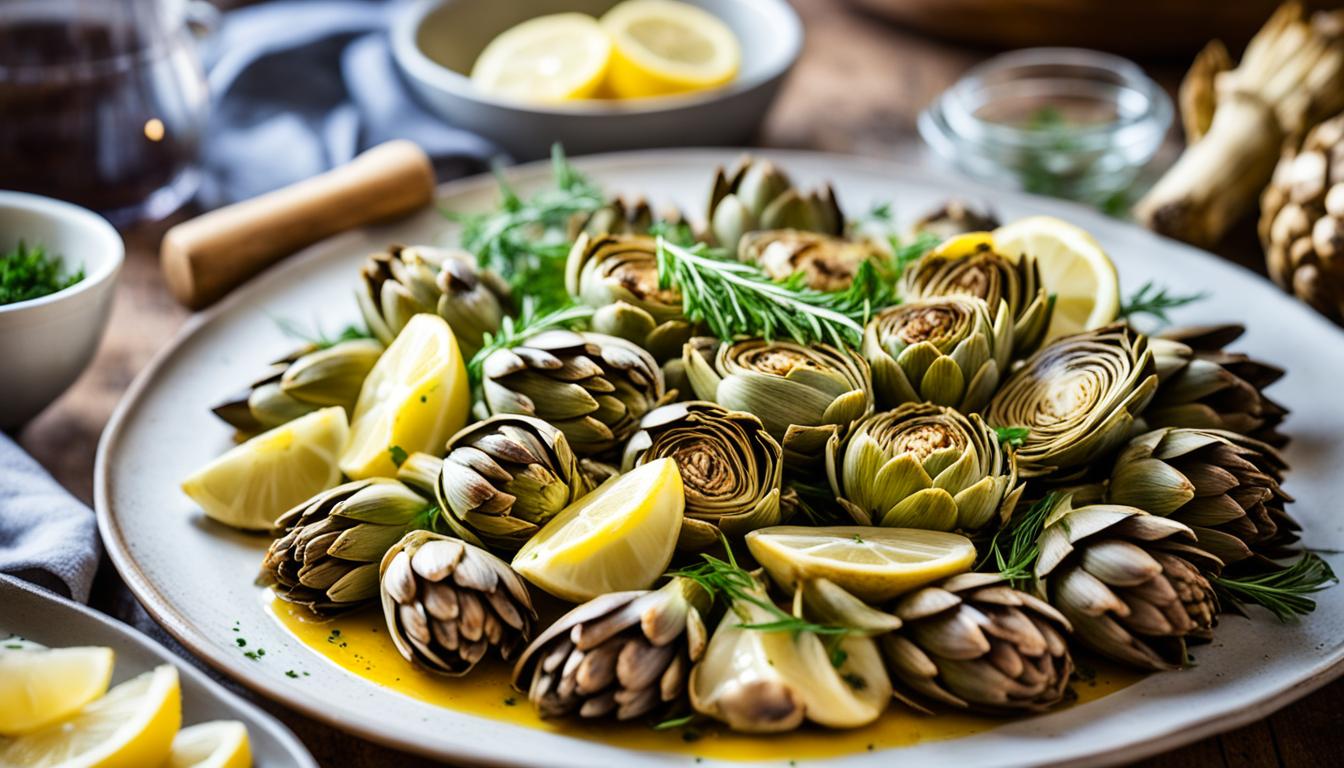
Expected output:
{"points": [[493, 533], [78, 689], [598, 75]]}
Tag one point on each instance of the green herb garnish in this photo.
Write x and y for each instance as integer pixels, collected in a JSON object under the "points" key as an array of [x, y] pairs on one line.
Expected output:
{"points": [[1023, 534], [30, 273], [529, 323], [1152, 300], [1013, 437], [1284, 591]]}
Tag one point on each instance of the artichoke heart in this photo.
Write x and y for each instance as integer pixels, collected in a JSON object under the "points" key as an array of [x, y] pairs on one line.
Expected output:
{"points": [[757, 194], [803, 394], [827, 262], [949, 350], [617, 275], [923, 466], [731, 468], [767, 682]]}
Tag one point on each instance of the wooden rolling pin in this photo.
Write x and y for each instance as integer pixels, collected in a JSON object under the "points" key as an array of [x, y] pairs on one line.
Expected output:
{"points": [[206, 257]]}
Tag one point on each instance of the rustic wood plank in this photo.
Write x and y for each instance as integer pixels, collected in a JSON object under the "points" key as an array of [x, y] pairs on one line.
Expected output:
{"points": [[888, 75]]}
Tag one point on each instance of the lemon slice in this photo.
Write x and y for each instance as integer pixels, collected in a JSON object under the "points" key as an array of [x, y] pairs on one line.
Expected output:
{"points": [[41, 686], [618, 537], [218, 744], [1074, 269], [662, 47], [260, 480], [874, 564], [547, 59], [131, 727], [414, 399]]}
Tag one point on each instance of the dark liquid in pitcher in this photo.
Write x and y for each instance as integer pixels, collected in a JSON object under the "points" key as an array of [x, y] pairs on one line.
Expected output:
{"points": [[82, 118]]}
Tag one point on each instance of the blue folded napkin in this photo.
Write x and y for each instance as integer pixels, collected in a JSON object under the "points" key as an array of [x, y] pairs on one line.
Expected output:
{"points": [[47, 536], [300, 86]]}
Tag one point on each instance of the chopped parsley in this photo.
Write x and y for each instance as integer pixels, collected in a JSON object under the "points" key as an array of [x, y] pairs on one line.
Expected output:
{"points": [[30, 273]]}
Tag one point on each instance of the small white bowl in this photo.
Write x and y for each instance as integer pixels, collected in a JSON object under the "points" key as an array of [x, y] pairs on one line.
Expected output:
{"points": [[45, 343], [435, 43]]}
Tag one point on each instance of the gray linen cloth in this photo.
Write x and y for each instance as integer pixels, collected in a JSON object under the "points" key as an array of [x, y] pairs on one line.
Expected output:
{"points": [[300, 86], [47, 536]]}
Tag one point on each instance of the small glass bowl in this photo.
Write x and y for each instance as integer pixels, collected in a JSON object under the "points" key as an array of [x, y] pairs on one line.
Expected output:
{"points": [[1065, 122]]}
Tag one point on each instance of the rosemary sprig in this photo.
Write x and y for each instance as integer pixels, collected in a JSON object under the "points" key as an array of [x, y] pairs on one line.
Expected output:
{"points": [[526, 241], [736, 299], [1012, 437], [1023, 534], [1283, 592], [1153, 300], [529, 322]]}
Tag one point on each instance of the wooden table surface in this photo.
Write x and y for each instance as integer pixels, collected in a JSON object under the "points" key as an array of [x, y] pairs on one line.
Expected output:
{"points": [[888, 75]]}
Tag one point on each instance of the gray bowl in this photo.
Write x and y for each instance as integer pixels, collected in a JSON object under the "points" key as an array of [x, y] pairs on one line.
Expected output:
{"points": [[435, 43]]}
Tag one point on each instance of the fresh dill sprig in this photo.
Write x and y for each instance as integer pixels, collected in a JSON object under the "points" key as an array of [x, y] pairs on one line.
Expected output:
{"points": [[1153, 300], [529, 322], [735, 299], [526, 241], [903, 253], [1023, 548], [727, 580], [318, 337], [1012, 437], [1283, 592]]}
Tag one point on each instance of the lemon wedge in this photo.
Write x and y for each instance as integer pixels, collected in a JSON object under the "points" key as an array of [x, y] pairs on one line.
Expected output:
{"points": [[663, 47], [1074, 269], [218, 744], [256, 482], [131, 727], [618, 537], [40, 686], [414, 399], [874, 564], [547, 59]]}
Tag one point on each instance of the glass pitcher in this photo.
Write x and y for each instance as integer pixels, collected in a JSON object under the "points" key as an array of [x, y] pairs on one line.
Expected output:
{"points": [[102, 102]]}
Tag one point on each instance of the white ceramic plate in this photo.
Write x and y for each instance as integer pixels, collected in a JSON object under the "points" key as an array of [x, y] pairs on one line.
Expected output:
{"points": [[37, 615], [196, 577]]}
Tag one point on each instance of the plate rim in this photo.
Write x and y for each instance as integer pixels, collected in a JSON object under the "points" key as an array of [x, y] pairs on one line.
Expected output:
{"points": [[170, 618]]}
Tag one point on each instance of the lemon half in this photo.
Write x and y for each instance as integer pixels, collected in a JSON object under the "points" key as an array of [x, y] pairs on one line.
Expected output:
{"points": [[547, 59], [260, 480], [874, 564], [414, 399], [1074, 268], [618, 537], [663, 47], [218, 744], [40, 686], [131, 727]]}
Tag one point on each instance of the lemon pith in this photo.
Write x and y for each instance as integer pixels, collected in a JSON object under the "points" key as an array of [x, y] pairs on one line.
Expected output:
{"points": [[662, 47], [41, 686], [551, 58], [1074, 269], [216, 744]]}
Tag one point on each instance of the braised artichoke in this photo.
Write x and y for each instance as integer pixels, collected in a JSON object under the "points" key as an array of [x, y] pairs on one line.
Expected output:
{"points": [[956, 217], [1131, 584], [312, 377], [327, 557], [973, 642], [593, 387], [1204, 386], [969, 265], [802, 394], [731, 468], [827, 262], [1224, 486], [923, 466], [621, 655], [619, 217], [617, 275], [950, 350], [756, 194], [761, 681], [505, 477], [1077, 398], [402, 282], [448, 602]]}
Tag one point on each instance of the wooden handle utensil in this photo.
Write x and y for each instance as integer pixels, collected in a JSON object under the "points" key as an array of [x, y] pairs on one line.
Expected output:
{"points": [[206, 257]]}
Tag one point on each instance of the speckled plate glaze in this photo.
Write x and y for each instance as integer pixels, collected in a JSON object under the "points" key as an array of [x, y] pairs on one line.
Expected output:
{"points": [[35, 614], [196, 577]]}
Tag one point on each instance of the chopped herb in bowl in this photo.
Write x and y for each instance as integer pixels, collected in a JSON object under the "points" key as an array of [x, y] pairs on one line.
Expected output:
{"points": [[31, 273]]}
